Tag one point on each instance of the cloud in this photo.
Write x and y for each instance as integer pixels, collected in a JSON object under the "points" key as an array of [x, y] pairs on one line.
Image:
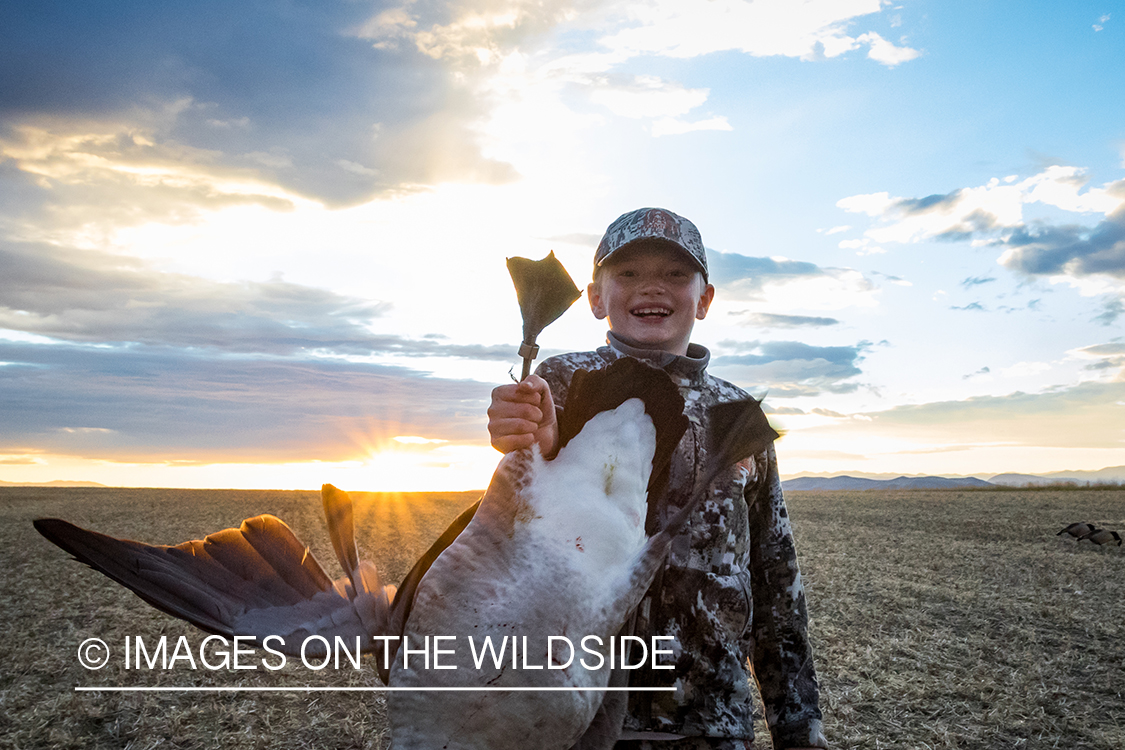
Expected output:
{"points": [[19, 461], [812, 30], [992, 215], [1022, 369], [861, 246], [788, 369], [782, 410], [896, 280], [106, 358], [772, 320], [791, 282], [163, 404], [94, 297], [341, 102], [673, 126], [577, 238], [287, 95], [486, 29], [1103, 356], [730, 268], [885, 52], [1111, 311], [74, 182], [971, 212], [977, 281], [648, 96], [534, 63], [828, 413], [475, 30], [1068, 249], [1088, 415]]}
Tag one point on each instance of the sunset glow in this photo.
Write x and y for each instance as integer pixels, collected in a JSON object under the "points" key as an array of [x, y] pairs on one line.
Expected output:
{"points": [[269, 251]]}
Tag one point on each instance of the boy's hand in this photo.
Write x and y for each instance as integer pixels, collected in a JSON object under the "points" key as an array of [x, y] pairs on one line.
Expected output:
{"points": [[522, 415]]}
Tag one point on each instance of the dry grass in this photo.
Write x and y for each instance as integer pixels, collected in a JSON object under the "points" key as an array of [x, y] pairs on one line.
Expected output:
{"points": [[959, 620], [941, 620], [49, 605]]}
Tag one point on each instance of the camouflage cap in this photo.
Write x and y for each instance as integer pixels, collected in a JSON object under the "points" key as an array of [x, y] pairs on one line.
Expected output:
{"points": [[654, 224]]}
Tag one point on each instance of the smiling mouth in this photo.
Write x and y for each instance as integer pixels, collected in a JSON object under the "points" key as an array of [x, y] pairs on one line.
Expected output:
{"points": [[651, 312]]}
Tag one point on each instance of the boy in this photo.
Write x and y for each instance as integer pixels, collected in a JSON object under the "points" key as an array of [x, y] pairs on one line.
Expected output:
{"points": [[730, 590]]}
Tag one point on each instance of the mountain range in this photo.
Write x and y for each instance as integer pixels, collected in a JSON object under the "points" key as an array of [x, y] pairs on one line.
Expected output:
{"points": [[898, 483], [860, 481], [1112, 474]]}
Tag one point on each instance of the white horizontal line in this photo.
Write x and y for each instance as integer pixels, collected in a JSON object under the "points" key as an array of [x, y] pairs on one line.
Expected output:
{"points": [[313, 689]]}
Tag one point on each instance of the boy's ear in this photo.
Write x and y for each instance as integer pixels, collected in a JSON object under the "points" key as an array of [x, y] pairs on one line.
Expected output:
{"points": [[593, 294], [705, 298]]}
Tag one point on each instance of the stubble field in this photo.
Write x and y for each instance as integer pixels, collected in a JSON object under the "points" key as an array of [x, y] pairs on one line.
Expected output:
{"points": [[940, 620]]}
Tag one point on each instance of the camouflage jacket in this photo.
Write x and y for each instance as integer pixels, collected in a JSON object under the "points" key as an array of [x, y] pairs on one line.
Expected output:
{"points": [[731, 590]]}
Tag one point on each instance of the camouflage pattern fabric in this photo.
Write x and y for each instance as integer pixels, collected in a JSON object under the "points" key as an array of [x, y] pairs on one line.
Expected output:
{"points": [[731, 590]]}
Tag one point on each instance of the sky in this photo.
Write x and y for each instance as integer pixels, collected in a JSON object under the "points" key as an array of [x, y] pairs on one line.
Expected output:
{"points": [[262, 244]]}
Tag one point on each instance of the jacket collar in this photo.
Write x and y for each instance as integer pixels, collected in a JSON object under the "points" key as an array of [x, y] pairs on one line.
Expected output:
{"points": [[691, 367]]}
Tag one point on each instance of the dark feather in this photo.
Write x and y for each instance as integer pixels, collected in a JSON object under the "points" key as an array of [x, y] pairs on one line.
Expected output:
{"points": [[341, 528], [738, 429], [259, 579], [544, 290], [208, 582]]}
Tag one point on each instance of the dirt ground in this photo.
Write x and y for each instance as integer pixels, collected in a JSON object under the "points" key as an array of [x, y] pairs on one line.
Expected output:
{"points": [[952, 619]]}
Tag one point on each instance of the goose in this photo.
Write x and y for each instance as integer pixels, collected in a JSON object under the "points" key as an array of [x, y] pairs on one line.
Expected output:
{"points": [[554, 548], [1102, 536], [1078, 530]]}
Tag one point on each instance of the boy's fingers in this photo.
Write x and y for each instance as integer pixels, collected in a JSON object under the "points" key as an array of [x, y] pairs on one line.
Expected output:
{"points": [[510, 443], [507, 411], [534, 384], [538, 386], [505, 427], [511, 434], [516, 393], [521, 415]]}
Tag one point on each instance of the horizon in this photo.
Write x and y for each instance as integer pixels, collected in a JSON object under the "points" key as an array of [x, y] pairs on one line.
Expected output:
{"points": [[265, 245], [1115, 475]]}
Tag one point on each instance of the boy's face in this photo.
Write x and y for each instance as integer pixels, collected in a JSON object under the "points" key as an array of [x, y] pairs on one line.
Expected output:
{"points": [[652, 295]]}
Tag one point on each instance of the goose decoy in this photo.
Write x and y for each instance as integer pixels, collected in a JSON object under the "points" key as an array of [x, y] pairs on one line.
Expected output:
{"points": [[1102, 536], [1078, 530]]}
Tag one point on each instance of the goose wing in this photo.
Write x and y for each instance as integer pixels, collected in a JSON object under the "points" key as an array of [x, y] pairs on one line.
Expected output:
{"points": [[260, 580], [256, 580]]}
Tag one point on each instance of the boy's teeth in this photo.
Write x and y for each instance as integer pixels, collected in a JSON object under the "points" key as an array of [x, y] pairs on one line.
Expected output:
{"points": [[652, 311]]}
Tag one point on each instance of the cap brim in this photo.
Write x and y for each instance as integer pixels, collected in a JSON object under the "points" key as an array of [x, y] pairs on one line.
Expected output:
{"points": [[659, 240]]}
